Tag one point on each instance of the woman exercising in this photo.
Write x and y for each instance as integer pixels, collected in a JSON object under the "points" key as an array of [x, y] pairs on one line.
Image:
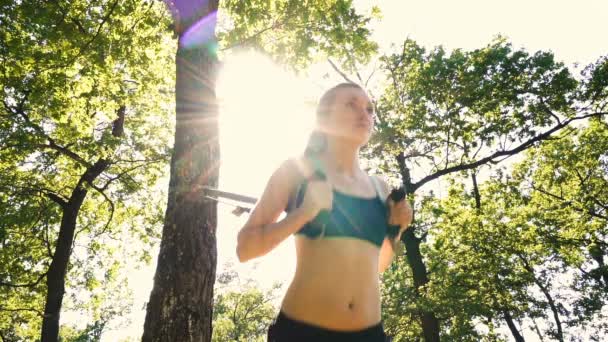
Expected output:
{"points": [[345, 223]]}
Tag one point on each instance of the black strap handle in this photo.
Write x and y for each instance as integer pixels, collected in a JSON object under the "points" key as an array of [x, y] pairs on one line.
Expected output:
{"points": [[318, 174], [397, 195]]}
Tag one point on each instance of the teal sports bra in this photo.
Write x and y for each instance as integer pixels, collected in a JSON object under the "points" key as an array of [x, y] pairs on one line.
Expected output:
{"points": [[350, 217]]}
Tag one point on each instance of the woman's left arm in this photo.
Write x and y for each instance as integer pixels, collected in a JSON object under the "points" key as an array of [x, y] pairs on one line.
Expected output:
{"points": [[387, 254], [399, 214]]}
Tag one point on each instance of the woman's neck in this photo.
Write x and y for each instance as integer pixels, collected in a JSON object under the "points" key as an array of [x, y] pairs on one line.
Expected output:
{"points": [[342, 158]]}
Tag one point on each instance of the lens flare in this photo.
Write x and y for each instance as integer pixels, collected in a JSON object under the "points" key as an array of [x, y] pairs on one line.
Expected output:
{"points": [[201, 33]]}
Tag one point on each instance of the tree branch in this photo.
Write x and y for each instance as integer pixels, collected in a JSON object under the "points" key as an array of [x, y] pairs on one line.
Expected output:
{"points": [[371, 74], [25, 285], [111, 209], [252, 37], [118, 125], [569, 203], [23, 190], [340, 71], [82, 49], [353, 63], [498, 154], [66, 152], [103, 21], [21, 309], [52, 144], [56, 199], [112, 179], [549, 111]]}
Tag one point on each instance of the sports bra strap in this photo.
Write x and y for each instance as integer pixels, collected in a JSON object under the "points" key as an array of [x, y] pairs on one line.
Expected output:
{"points": [[377, 186]]}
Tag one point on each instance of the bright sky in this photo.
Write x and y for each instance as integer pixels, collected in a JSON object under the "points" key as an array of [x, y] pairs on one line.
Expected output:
{"points": [[265, 117]]}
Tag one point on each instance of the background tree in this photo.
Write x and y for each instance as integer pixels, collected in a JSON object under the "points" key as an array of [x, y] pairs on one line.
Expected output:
{"points": [[453, 113], [529, 250], [241, 311], [180, 306], [77, 79]]}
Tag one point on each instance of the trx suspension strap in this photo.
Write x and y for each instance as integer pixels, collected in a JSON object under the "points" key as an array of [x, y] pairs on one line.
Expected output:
{"points": [[318, 174], [215, 194]]}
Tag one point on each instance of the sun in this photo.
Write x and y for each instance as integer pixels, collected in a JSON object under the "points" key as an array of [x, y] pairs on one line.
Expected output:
{"points": [[265, 117]]}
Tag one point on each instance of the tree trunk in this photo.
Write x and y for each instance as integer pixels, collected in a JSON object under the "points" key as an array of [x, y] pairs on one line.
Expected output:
{"points": [[537, 330], [510, 322], [512, 327], [476, 190], [601, 272], [545, 290], [430, 323], [554, 310], [55, 279], [181, 302]]}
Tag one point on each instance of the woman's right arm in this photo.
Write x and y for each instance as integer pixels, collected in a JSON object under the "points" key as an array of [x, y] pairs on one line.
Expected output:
{"points": [[261, 233]]}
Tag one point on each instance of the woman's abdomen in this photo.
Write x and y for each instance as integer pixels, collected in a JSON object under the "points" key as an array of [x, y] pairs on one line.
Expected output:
{"points": [[335, 285]]}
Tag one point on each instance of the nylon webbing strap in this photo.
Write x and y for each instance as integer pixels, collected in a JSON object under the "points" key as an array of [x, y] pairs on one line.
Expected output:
{"points": [[318, 173], [377, 186]]}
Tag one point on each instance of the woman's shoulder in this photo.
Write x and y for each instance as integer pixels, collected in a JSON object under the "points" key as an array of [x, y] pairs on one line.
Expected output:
{"points": [[293, 170], [296, 167]]}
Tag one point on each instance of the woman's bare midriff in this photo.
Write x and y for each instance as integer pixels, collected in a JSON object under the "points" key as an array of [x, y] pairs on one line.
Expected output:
{"points": [[335, 285]]}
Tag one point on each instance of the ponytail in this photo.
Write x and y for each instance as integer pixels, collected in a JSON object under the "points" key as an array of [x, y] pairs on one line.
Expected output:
{"points": [[317, 144]]}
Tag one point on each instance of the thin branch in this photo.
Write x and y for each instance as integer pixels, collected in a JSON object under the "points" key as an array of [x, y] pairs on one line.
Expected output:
{"points": [[88, 43], [276, 24], [56, 199], [448, 142], [131, 161], [496, 162], [582, 179], [22, 309], [353, 63], [25, 285], [340, 72], [111, 209], [144, 16], [52, 144], [498, 154], [371, 74], [569, 203], [596, 201], [73, 20], [112, 179], [549, 111], [447, 145], [23, 190]]}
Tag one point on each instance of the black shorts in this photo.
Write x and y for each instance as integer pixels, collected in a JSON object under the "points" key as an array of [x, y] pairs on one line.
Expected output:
{"points": [[285, 329]]}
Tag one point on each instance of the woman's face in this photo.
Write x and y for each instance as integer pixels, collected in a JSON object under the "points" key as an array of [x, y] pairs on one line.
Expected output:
{"points": [[351, 116]]}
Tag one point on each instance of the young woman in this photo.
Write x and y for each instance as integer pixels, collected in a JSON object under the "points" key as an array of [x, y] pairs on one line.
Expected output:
{"points": [[345, 225]]}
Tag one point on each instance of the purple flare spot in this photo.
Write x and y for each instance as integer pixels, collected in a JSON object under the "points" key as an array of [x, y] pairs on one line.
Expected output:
{"points": [[201, 32]]}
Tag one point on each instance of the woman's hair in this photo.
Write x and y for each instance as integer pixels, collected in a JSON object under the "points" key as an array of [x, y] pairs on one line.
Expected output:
{"points": [[317, 143]]}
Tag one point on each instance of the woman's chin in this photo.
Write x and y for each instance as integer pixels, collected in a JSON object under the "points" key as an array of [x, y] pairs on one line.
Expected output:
{"points": [[360, 140], [357, 136]]}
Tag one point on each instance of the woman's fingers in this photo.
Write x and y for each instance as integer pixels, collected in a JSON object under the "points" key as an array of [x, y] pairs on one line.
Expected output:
{"points": [[401, 212]]}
